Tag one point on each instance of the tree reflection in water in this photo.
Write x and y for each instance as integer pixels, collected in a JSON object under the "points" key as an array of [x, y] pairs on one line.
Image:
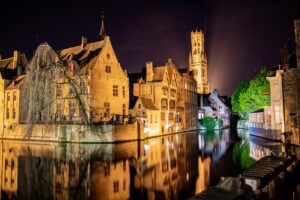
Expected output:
{"points": [[170, 167]]}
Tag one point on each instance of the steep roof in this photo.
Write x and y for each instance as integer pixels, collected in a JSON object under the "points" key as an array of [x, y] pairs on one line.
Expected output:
{"points": [[7, 68], [148, 103], [84, 56], [16, 82], [8, 63]]}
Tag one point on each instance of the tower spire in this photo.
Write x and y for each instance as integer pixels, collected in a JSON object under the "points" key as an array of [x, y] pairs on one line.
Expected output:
{"points": [[102, 33]]}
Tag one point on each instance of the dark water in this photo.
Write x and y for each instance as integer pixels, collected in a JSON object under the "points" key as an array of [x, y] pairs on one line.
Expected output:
{"points": [[171, 167]]}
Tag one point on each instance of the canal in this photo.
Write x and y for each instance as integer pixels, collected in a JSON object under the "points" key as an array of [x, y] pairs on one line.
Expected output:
{"points": [[170, 167]]}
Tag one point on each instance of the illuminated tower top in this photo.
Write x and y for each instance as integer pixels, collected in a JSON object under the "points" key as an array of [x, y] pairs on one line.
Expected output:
{"points": [[198, 62]]}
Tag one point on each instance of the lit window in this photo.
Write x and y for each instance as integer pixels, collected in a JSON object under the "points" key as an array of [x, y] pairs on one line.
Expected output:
{"points": [[165, 90], [164, 104], [115, 90], [172, 104], [173, 93]]}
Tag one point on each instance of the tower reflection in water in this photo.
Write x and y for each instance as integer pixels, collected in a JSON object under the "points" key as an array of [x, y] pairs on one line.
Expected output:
{"points": [[171, 167]]}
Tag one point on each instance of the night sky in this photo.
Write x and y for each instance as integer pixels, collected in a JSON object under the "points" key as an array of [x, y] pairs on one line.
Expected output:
{"points": [[240, 35]]}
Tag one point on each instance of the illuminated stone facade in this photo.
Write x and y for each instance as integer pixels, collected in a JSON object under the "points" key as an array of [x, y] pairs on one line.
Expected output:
{"points": [[173, 93], [9, 69], [90, 86], [198, 62]]}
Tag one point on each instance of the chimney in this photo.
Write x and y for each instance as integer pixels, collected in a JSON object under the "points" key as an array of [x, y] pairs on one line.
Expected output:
{"points": [[285, 57], [17, 59], [149, 71], [83, 42]]}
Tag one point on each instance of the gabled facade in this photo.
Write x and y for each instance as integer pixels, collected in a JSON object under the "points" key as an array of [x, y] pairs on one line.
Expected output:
{"points": [[98, 77], [9, 69], [145, 110], [172, 93]]}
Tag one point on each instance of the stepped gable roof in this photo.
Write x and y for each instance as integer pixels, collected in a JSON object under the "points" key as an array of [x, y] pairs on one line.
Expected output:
{"points": [[148, 103], [16, 82]]}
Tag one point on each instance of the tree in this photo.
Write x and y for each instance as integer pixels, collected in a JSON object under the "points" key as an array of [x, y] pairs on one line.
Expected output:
{"points": [[249, 95]]}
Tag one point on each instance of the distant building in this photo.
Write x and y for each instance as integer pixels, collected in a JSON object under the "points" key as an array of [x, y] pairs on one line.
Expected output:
{"points": [[198, 62], [213, 105]]}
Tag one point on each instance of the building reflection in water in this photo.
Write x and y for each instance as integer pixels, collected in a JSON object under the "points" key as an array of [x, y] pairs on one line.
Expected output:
{"points": [[171, 167]]}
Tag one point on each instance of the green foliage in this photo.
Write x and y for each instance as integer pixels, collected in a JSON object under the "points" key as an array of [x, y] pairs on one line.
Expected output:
{"points": [[249, 95], [208, 123], [211, 123]]}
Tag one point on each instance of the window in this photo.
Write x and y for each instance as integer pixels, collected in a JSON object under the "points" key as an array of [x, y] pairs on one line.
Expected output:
{"points": [[14, 96], [172, 104], [14, 113], [116, 186], [123, 91], [124, 109], [106, 109], [115, 90], [71, 91], [155, 118], [151, 118], [195, 72], [124, 184], [8, 96], [107, 169], [108, 56], [58, 91], [107, 69], [173, 93], [165, 90], [72, 109], [82, 87], [124, 165], [7, 113], [164, 104], [139, 106]]}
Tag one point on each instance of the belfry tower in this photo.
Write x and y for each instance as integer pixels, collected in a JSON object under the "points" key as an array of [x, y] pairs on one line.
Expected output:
{"points": [[198, 62]]}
